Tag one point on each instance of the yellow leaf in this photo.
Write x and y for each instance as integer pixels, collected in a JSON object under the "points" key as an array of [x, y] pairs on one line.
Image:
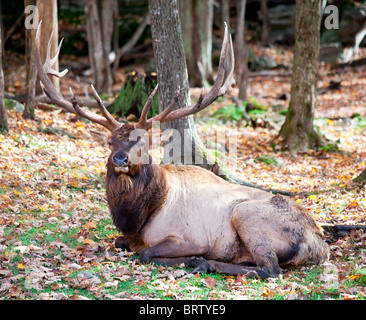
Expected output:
{"points": [[80, 124], [353, 276], [88, 241], [267, 292], [352, 204], [91, 225], [21, 266], [312, 197]]}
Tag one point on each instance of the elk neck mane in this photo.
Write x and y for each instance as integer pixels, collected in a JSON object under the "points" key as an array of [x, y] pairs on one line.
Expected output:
{"points": [[133, 200]]}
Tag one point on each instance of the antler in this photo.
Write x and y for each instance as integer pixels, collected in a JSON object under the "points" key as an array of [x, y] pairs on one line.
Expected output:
{"points": [[56, 97], [219, 88]]}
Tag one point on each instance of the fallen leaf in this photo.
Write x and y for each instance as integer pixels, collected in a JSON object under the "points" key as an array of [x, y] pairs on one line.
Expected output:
{"points": [[21, 266], [209, 282], [267, 293], [88, 241], [91, 225]]}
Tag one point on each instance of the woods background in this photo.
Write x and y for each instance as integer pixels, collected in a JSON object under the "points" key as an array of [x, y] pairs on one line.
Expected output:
{"points": [[298, 113]]}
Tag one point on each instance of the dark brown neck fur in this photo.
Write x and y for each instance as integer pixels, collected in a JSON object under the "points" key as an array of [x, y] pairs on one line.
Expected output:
{"points": [[132, 200]]}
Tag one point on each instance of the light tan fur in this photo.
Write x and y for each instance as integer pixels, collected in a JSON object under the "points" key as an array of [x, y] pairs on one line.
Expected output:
{"points": [[209, 217]]}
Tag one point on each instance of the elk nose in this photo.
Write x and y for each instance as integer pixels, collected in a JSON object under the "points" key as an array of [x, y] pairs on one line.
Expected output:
{"points": [[120, 159]]}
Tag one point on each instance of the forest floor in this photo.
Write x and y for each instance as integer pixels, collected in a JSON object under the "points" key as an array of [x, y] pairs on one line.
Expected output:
{"points": [[57, 236]]}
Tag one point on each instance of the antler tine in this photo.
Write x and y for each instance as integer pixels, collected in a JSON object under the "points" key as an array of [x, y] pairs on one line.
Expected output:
{"points": [[103, 109], [51, 61], [146, 108], [56, 97], [219, 88], [230, 81], [161, 116], [47, 84]]}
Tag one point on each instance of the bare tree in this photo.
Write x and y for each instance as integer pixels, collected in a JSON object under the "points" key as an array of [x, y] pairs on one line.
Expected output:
{"points": [[48, 14], [298, 130], [3, 118], [120, 52], [265, 22], [172, 71], [225, 12], [197, 38], [172, 74], [241, 52], [31, 72], [99, 33]]}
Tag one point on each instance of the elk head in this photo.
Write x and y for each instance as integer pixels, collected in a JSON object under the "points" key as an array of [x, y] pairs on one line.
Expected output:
{"points": [[121, 159]]}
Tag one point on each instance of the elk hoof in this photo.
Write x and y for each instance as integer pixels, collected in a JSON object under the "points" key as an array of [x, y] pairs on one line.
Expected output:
{"points": [[194, 262], [205, 267], [121, 243], [144, 257]]}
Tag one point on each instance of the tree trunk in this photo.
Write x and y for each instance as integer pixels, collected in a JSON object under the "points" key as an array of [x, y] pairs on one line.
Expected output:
{"points": [[120, 52], [298, 130], [172, 74], [98, 45], [2, 30], [265, 23], [241, 52], [196, 21], [48, 15], [31, 71], [3, 118], [225, 14], [360, 180]]}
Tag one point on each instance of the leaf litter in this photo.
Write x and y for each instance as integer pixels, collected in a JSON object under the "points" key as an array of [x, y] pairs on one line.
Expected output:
{"points": [[57, 237]]}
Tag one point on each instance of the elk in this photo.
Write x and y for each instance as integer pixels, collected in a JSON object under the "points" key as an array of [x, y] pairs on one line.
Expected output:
{"points": [[172, 214]]}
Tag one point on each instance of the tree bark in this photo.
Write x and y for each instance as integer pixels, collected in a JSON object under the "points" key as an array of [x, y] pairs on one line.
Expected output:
{"points": [[298, 130], [97, 28], [241, 52], [196, 22], [31, 71], [225, 12], [48, 15], [3, 118], [172, 74], [265, 22]]}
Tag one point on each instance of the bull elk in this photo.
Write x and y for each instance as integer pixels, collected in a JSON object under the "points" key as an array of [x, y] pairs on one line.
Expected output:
{"points": [[172, 214]]}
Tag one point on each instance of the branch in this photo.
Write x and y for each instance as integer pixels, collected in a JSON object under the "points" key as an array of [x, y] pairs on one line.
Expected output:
{"points": [[43, 99], [130, 44], [231, 177]]}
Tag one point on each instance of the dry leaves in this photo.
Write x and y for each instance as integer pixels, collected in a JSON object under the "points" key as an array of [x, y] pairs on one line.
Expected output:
{"points": [[57, 237]]}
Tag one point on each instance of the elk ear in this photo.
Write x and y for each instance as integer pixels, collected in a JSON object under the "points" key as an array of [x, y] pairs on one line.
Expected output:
{"points": [[100, 137]]}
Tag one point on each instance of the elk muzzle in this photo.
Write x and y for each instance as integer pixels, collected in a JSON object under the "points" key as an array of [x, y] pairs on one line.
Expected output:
{"points": [[121, 162]]}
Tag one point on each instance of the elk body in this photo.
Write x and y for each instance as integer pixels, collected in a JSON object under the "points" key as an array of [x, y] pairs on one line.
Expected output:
{"points": [[173, 214]]}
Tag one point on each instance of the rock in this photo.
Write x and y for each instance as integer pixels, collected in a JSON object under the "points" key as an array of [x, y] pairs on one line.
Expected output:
{"points": [[11, 104]]}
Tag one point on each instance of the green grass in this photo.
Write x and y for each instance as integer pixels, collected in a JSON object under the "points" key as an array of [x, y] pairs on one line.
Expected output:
{"points": [[64, 203]]}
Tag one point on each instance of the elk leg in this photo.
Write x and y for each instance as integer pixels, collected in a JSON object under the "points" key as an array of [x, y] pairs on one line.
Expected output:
{"points": [[233, 269], [189, 262], [172, 252]]}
